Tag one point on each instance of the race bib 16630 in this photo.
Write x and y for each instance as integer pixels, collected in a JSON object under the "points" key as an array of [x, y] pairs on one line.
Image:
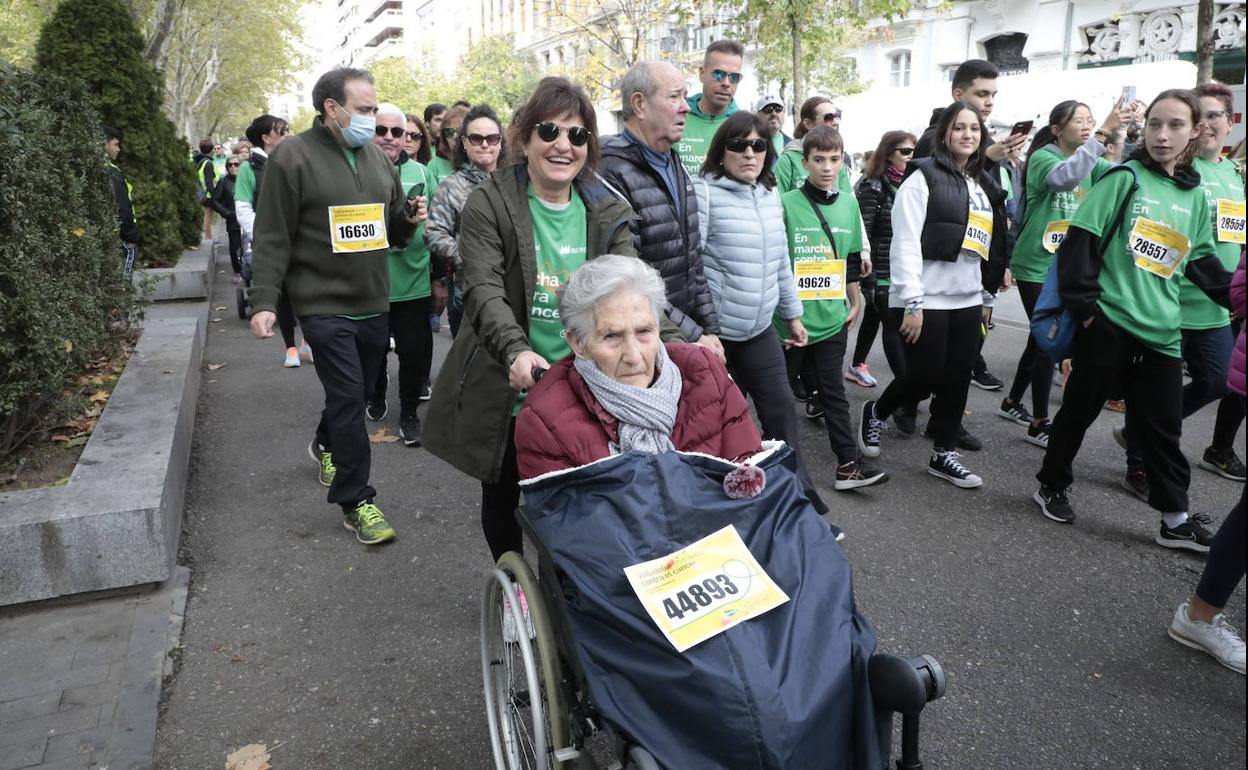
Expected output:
{"points": [[354, 229]]}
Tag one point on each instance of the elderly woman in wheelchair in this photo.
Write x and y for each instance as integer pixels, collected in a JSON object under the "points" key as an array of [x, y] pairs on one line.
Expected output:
{"points": [[689, 606]]}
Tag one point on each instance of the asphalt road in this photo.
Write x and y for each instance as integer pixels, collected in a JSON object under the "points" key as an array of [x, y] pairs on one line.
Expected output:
{"points": [[1053, 636]]}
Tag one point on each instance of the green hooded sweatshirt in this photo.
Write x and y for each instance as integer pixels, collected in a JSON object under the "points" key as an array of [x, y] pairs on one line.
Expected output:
{"points": [[700, 128]]}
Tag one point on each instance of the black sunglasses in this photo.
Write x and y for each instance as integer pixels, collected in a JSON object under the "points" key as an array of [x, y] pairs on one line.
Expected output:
{"points": [[740, 145], [450, 133], [395, 131], [906, 150], [476, 140], [828, 117], [772, 109], [233, 165], [549, 132], [415, 136]]}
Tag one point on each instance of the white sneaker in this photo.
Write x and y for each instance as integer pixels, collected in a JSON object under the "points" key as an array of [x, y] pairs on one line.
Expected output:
{"points": [[1216, 638], [292, 358], [509, 620]]}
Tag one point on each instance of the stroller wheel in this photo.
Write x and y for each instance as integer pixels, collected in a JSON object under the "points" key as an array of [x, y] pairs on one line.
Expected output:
{"points": [[244, 306], [522, 673]]}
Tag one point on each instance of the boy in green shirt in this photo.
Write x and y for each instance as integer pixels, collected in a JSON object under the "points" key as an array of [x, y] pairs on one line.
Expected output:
{"points": [[825, 244], [720, 74]]}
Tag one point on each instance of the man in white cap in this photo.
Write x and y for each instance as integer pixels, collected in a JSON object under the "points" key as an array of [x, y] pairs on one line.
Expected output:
{"points": [[772, 110]]}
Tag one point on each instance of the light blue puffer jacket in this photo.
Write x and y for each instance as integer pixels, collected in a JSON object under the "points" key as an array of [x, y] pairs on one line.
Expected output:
{"points": [[745, 255]]}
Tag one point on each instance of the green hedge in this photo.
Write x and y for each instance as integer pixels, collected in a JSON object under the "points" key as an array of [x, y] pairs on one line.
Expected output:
{"points": [[63, 298], [98, 42]]}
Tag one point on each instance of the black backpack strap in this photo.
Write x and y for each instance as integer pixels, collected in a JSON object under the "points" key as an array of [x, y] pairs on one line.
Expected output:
{"points": [[1108, 235]]}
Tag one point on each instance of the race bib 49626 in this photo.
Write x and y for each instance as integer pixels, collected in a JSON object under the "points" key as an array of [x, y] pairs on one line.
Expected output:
{"points": [[1230, 221], [819, 279], [1157, 248], [354, 229], [978, 234]]}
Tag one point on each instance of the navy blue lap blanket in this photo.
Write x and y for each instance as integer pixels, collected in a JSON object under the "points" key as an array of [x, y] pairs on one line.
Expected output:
{"points": [[787, 689]]}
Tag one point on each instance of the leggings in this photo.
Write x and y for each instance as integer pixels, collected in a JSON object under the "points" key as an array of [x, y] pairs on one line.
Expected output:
{"points": [[499, 501], [1035, 368], [286, 318], [1224, 567], [878, 313]]}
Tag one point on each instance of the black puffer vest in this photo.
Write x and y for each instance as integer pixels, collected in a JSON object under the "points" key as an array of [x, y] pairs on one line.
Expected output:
{"points": [[945, 224], [875, 201], [672, 246]]}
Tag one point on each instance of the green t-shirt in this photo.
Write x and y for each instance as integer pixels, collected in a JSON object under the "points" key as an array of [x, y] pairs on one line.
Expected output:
{"points": [[440, 168], [1159, 221], [560, 247], [1046, 214], [790, 173], [245, 185], [823, 318], [219, 165], [409, 267], [1220, 182], [700, 129]]}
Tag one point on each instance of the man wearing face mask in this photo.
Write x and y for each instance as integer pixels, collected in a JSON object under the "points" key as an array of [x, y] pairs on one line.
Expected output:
{"points": [[331, 208]]}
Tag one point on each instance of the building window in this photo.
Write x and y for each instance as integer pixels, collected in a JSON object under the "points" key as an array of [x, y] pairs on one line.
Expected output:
{"points": [[1006, 53], [899, 69]]}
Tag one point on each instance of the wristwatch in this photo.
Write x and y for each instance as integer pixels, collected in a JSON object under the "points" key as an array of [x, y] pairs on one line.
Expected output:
{"points": [[913, 308]]}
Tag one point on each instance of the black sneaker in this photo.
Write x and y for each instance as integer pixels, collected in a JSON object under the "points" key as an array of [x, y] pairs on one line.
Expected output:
{"points": [[946, 465], [814, 409], [376, 409], [869, 430], [963, 440], [855, 474], [409, 429], [906, 419], [426, 391], [1039, 434], [1227, 465], [986, 381], [1014, 412], [799, 391], [1192, 535], [1053, 504], [1136, 482]]}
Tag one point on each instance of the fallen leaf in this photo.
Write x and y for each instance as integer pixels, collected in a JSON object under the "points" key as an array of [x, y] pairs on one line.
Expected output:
{"points": [[69, 346], [78, 231], [98, 397], [214, 367], [215, 321], [381, 437], [76, 441], [254, 756], [220, 308]]}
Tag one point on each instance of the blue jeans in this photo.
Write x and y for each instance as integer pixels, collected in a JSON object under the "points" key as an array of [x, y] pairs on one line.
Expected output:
{"points": [[1208, 356]]}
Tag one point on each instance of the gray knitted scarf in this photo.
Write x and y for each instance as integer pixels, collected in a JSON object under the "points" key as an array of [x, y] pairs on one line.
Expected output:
{"points": [[646, 415]]}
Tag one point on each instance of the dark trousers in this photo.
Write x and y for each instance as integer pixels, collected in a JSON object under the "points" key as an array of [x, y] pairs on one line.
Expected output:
{"points": [[938, 365], [413, 343], [286, 319], [823, 362], [348, 355], [1035, 368], [1224, 566], [758, 367], [236, 245], [876, 312], [499, 501], [1208, 356], [1106, 358], [455, 305], [870, 323]]}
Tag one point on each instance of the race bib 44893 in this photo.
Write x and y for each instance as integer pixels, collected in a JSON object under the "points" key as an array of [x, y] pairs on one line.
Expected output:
{"points": [[1157, 248], [354, 229]]}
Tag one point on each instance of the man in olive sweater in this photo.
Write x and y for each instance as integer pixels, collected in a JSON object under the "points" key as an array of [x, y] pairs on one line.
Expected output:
{"points": [[330, 209]]}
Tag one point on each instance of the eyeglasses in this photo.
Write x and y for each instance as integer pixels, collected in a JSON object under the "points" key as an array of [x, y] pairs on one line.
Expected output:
{"points": [[772, 109], [395, 131], [548, 132], [720, 75], [282, 131], [1215, 114], [829, 117], [232, 165], [492, 140], [415, 136], [759, 146], [450, 133], [907, 151]]}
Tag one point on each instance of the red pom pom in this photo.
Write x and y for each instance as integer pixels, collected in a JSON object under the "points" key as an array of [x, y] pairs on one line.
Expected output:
{"points": [[744, 481]]}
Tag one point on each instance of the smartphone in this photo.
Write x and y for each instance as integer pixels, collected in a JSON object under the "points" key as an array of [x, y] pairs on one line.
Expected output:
{"points": [[1022, 128], [416, 190], [1128, 96]]}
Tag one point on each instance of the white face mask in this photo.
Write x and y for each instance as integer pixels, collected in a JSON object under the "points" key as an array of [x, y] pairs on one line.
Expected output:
{"points": [[360, 130]]}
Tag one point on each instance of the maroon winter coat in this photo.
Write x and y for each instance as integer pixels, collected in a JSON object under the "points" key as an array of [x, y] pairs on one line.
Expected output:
{"points": [[563, 426], [1235, 378]]}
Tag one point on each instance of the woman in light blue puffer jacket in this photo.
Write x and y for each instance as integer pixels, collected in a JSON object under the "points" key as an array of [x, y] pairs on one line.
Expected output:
{"points": [[745, 254]]}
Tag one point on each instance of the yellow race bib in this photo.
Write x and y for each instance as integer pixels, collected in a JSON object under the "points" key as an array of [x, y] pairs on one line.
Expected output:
{"points": [[1230, 221], [1054, 234], [978, 234], [819, 279], [354, 229], [1157, 248], [704, 589]]}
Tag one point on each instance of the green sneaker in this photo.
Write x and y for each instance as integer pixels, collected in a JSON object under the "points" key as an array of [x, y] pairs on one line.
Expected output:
{"points": [[324, 460], [368, 524]]}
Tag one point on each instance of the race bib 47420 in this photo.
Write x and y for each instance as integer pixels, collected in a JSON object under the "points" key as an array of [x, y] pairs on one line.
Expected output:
{"points": [[704, 588], [354, 229], [1230, 221], [1157, 248], [978, 234], [819, 279]]}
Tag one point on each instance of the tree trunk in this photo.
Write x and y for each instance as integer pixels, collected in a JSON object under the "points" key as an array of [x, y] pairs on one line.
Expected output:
{"points": [[162, 24], [1204, 41], [799, 84]]}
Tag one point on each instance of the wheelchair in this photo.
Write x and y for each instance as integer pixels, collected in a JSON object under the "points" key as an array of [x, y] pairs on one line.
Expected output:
{"points": [[537, 705]]}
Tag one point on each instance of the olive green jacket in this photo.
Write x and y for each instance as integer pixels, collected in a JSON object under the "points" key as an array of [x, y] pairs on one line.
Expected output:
{"points": [[470, 413]]}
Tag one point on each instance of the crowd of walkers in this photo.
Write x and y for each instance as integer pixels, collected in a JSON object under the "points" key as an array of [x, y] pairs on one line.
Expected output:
{"points": [[364, 228]]}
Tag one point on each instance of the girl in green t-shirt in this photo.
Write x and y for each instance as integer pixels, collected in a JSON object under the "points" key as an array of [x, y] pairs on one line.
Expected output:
{"points": [[1127, 302], [1063, 162]]}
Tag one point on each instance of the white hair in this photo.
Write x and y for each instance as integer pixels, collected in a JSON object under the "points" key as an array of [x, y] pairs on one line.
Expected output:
{"points": [[387, 108], [598, 279]]}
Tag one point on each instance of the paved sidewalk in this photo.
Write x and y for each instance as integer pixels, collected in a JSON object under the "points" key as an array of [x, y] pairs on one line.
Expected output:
{"points": [[80, 678]]}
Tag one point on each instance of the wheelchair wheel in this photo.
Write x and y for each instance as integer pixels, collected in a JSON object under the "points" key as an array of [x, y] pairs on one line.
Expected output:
{"points": [[523, 677], [240, 297]]}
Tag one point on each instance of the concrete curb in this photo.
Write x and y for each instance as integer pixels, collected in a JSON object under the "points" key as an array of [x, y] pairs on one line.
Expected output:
{"points": [[118, 520], [191, 278]]}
